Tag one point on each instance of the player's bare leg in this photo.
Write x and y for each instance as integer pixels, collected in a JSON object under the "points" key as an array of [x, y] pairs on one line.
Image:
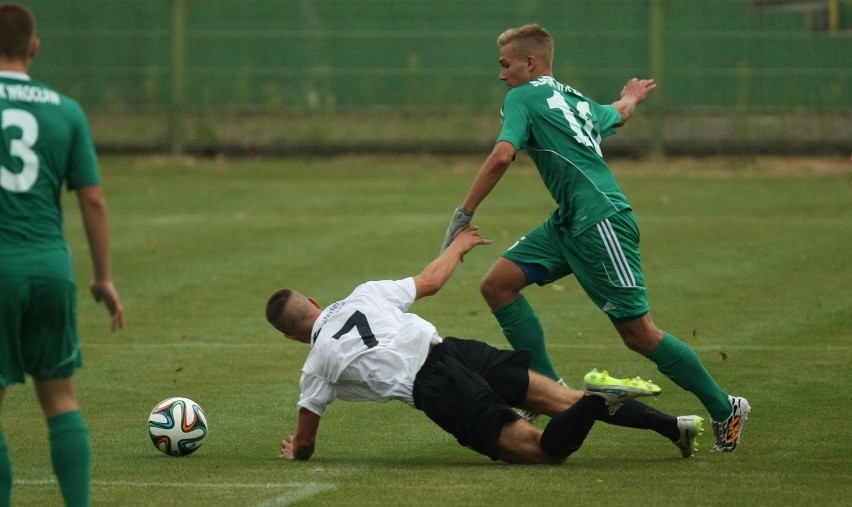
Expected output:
{"points": [[544, 396], [502, 283], [501, 287], [640, 335], [56, 396], [519, 442]]}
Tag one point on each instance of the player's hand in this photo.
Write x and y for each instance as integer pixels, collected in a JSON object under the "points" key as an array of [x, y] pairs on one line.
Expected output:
{"points": [[460, 219], [467, 238], [287, 448], [104, 291], [637, 89]]}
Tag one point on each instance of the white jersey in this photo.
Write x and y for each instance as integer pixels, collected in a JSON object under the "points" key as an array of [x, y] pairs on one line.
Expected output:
{"points": [[366, 347]]}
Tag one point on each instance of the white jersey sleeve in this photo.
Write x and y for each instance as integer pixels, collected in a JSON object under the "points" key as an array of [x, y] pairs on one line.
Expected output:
{"points": [[367, 347]]}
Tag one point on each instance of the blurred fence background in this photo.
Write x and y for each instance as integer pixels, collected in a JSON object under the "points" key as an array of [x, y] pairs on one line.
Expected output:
{"points": [[283, 76]]}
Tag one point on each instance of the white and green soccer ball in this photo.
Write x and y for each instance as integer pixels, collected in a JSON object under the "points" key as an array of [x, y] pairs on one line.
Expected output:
{"points": [[177, 426]]}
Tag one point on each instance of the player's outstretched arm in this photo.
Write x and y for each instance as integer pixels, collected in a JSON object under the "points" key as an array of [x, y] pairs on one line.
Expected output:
{"points": [[300, 445], [486, 179], [633, 93], [437, 272]]}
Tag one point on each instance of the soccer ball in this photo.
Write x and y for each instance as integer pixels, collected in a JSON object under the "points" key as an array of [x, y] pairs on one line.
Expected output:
{"points": [[177, 426]]}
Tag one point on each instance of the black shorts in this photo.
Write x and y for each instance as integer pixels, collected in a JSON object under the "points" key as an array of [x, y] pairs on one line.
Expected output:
{"points": [[469, 388]]}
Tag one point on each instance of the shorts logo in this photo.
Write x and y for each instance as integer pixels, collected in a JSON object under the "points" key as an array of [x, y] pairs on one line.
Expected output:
{"points": [[608, 306]]}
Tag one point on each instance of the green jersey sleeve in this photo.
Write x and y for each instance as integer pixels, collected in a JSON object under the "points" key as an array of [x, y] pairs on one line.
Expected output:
{"points": [[516, 121]]}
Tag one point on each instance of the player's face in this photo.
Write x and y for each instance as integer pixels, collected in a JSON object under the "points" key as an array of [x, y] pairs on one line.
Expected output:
{"points": [[514, 70]]}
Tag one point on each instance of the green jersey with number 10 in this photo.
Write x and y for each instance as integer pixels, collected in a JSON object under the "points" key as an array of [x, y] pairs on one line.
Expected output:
{"points": [[44, 143], [561, 130]]}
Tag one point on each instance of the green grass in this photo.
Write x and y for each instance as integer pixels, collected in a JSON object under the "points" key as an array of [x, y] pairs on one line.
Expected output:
{"points": [[749, 265]]}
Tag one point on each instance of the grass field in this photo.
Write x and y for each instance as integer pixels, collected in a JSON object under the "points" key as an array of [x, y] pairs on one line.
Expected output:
{"points": [[747, 260]]}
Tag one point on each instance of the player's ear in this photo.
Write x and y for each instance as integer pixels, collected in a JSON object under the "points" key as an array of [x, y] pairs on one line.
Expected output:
{"points": [[314, 302], [35, 44]]}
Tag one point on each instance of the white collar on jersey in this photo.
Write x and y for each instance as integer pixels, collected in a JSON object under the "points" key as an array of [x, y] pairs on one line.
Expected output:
{"points": [[14, 75]]}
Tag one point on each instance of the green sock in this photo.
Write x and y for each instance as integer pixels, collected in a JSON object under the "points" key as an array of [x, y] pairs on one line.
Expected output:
{"points": [[681, 364], [522, 328], [71, 456], [5, 473]]}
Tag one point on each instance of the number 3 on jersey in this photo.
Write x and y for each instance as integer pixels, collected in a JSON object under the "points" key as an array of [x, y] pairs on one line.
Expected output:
{"points": [[583, 134], [20, 148]]}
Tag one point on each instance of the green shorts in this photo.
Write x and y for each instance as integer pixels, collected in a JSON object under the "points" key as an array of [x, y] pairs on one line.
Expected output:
{"points": [[604, 258], [38, 330]]}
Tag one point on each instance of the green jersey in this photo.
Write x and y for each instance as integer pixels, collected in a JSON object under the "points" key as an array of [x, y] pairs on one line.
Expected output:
{"points": [[44, 143], [561, 130]]}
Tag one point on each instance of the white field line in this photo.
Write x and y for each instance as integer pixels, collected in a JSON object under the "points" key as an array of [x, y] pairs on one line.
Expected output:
{"points": [[187, 344], [304, 491], [297, 491]]}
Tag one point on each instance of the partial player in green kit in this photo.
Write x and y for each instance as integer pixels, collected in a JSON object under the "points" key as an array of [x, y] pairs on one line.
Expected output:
{"points": [[593, 234], [44, 144]]}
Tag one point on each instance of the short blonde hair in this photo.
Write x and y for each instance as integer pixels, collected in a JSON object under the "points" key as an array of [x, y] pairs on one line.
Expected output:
{"points": [[529, 40]]}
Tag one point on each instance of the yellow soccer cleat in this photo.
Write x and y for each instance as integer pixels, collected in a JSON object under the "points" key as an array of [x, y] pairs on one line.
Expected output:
{"points": [[617, 390]]}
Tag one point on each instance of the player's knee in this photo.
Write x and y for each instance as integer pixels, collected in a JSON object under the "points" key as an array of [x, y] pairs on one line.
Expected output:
{"points": [[642, 340], [488, 289], [640, 335], [495, 292], [636, 345]]}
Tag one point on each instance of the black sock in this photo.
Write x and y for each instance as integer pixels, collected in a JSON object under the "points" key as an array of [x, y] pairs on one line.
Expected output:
{"points": [[635, 414], [567, 430]]}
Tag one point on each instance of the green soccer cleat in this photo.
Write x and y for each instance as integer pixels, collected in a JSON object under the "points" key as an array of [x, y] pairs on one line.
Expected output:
{"points": [[615, 391], [691, 427]]}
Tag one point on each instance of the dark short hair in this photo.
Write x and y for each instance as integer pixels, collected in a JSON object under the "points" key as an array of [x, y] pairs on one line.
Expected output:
{"points": [[17, 29], [275, 310]]}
